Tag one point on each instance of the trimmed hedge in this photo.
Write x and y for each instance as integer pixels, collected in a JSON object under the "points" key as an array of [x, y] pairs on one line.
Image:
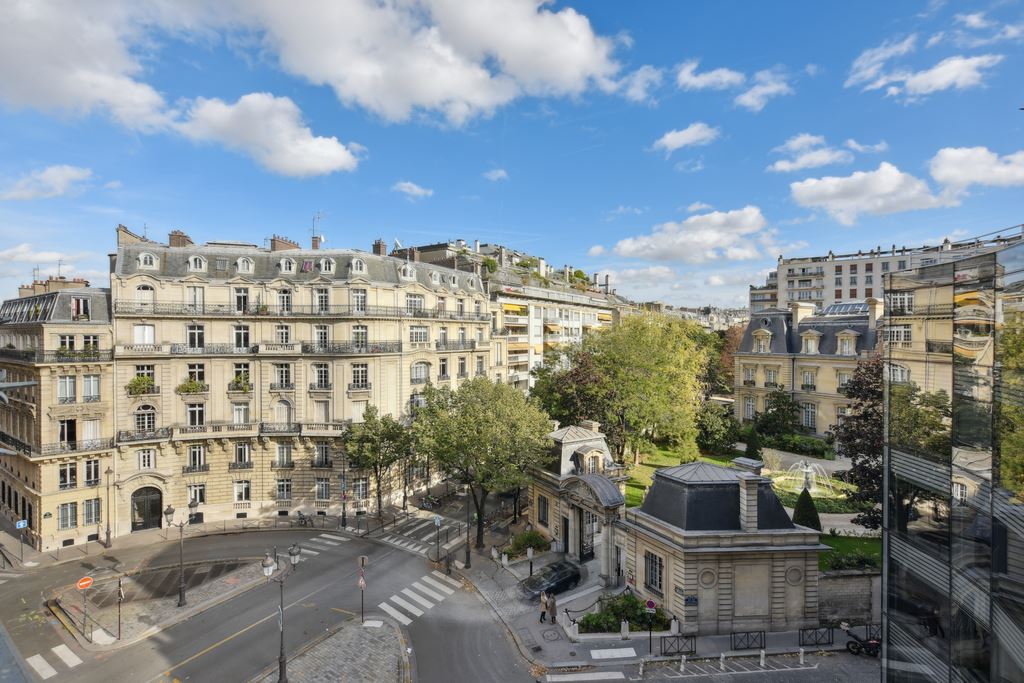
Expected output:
{"points": [[625, 607], [805, 514], [527, 539]]}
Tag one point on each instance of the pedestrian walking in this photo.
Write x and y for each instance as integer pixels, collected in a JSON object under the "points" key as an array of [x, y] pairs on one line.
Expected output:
{"points": [[543, 606], [552, 608]]}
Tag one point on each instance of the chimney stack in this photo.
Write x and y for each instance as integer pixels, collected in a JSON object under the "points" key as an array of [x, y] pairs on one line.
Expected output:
{"points": [[278, 243], [316, 242], [590, 425], [541, 268], [177, 238], [874, 312], [476, 246], [502, 258], [800, 310], [567, 271], [380, 247], [607, 283], [748, 501]]}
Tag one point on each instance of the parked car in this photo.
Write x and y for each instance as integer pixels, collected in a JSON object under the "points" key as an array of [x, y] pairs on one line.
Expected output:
{"points": [[553, 578]]}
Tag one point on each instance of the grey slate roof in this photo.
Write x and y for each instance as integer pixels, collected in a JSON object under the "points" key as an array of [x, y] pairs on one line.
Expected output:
{"points": [[56, 307], [573, 433], [173, 263], [786, 337], [703, 497], [604, 488]]}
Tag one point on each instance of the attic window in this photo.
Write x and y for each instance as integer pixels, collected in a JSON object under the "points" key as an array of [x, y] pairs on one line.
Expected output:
{"points": [[358, 266], [454, 280], [762, 341], [147, 260], [244, 265], [326, 265], [407, 272], [469, 282], [222, 264], [196, 264], [435, 278], [287, 265]]}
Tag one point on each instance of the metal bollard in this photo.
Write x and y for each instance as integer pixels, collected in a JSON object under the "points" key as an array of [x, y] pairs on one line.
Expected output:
{"points": [[641, 668], [682, 663], [801, 656], [721, 662], [762, 659]]}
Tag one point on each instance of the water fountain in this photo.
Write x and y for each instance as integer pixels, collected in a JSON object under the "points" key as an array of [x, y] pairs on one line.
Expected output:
{"points": [[810, 476]]}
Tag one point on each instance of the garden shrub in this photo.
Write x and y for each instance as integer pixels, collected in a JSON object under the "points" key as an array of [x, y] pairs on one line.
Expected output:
{"points": [[624, 607], [528, 539], [805, 513]]}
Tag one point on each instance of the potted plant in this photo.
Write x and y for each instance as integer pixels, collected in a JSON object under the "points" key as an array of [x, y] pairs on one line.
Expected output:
{"points": [[191, 386], [241, 383], [140, 384]]}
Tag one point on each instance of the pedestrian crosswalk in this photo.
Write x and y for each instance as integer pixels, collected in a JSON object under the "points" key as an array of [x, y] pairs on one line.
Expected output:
{"points": [[419, 535], [313, 546], [7, 576], [46, 670], [420, 595]]}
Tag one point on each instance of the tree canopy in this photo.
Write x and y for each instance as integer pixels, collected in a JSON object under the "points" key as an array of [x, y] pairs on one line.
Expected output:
{"points": [[717, 430], [485, 434], [377, 444], [781, 414]]}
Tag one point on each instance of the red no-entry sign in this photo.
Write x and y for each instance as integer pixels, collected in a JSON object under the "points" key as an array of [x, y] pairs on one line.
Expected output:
{"points": [[84, 582]]}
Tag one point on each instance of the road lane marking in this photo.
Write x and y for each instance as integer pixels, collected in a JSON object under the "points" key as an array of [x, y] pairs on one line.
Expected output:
{"points": [[423, 601], [398, 616], [407, 606], [67, 656], [426, 591], [322, 540], [450, 580], [310, 552], [42, 667], [333, 537], [613, 653], [438, 585], [587, 676]]}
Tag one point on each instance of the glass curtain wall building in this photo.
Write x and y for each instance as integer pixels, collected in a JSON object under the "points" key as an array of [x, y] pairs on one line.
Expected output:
{"points": [[954, 471]]}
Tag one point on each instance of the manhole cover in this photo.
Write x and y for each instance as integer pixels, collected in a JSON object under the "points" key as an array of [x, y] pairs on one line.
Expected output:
{"points": [[551, 634]]}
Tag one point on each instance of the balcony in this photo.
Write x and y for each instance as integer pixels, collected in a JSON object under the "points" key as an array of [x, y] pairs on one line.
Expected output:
{"points": [[772, 385], [481, 373], [91, 398], [285, 465], [351, 348], [322, 464], [928, 311], [320, 386], [66, 356], [143, 349], [290, 311], [444, 378], [76, 446], [278, 348], [455, 345], [749, 383], [841, 389], [419, 380], [242, 386], [282, 386], [279, 427], [63, 400], [462, 375], [190, 387], [247, 465], [360, 386], [195, 469], [808, 387], [15, 443], [323, 428], [125, 436], [211, 350]]}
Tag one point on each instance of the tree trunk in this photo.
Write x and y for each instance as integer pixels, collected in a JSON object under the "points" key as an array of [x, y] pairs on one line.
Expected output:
{"points": [[515, 507], [377, 478], [480, 517]]}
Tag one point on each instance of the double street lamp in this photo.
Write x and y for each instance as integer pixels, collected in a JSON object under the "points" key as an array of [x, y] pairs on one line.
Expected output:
{"points": [[269, 567], [169, 515]]}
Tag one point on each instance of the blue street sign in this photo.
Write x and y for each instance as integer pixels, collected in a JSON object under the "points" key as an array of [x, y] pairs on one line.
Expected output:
{"points": [[437, 520], [21, 524]]}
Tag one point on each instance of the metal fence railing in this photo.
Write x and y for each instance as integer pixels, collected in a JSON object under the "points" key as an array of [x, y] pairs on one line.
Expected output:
{"points": [[747, 640]]}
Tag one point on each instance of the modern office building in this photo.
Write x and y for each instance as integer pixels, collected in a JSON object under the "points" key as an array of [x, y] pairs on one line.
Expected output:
{"points": [[809, 355], [837, 278], [953, 606], [58, 434]]}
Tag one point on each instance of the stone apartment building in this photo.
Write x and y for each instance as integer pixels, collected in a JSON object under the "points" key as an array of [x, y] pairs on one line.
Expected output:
{"points": [[59, 433], [811, 356]]}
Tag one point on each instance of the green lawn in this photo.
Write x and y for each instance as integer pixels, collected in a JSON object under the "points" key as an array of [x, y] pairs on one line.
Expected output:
{"points": [[847, 545], [658, 456]]}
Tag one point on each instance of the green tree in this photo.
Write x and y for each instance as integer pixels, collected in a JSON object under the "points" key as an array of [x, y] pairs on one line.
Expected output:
{"points": [[486, 435], [717, 430], [781, 414], [490, 264], [377, 444], [1009, 413], [805, 512], [753, 445]]}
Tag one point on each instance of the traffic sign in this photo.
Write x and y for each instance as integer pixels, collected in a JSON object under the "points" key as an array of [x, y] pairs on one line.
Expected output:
{"points": [[21, 524], [362, 583], [650, 607], [437, 520], [84, 582]]}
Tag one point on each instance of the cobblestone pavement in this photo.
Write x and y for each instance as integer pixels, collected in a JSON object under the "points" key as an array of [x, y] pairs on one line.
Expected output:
{"points": [[354, 653]]}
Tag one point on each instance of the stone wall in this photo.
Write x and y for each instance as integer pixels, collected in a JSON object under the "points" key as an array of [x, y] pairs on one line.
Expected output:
{"points": [[852, 595]]}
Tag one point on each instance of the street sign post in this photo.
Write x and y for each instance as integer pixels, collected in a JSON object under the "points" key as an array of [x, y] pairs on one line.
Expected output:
{"points": [[120, 599], [362, 593], [82, 584], [651, 608], [437, 536], [363, 559], [21, 524]]}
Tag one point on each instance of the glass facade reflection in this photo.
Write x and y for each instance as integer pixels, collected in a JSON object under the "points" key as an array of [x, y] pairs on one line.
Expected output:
{"points": [[954, 471]]}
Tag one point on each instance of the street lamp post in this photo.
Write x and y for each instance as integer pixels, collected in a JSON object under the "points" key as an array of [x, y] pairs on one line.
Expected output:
{"points": [[468, 565], [344, 500], [269, 566], [109, 473], [169, 515]]}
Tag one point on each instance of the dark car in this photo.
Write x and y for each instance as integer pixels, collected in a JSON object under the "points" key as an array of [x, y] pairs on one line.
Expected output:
{"points": [[554, 578]]}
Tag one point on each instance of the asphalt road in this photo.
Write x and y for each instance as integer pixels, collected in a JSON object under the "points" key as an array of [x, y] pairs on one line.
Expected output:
{"points": [[459, 639]]}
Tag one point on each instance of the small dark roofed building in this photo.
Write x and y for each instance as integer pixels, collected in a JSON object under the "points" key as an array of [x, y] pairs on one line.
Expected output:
{"points": [[714, 546]]}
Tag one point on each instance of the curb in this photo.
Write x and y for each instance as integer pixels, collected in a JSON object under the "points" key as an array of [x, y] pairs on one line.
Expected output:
{"points": [[65, 619], [523, 650]]}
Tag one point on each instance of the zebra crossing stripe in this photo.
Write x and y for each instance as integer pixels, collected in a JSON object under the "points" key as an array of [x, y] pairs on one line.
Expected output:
{"points": [[407, 606], [448, 579], [435, 584], [42, 667], [318, 546], [398, 616], [324, 541], [307, 551], [343, 539], [426, 591], [423, 601], [67, 656]]}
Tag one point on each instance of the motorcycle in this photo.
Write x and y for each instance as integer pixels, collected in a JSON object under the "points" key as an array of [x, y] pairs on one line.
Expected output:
{"points": [[871, 646], [305, 520]]}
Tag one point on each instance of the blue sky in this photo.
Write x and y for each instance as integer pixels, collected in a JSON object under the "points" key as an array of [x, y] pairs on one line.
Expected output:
{"points": [[679, 147]]}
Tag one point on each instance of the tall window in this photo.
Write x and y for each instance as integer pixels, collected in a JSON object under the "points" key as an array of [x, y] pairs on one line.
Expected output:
{"points": [[360, 336], [542, 510], [808, 378], [91, 511], [241, 336], [321, 335], [323, 488], [241, 299], [322, 374], [321, 411], [358, 266], [196, 456], [67, 476], [360, 375], [240, 413], [242, 491], [358, 297], [808, 415], [241, 452], [749, 407], [749, 374], [66, 389], [418, 334], [653, 571], [283, 334], [68, 433], [197, 493], [284, 300], [771, 376], [147, 459], [66, 342], [846, 346], [91, 388], [462, 335], [283, 373], [283, 411], [67, 516], [420, 372], [194, 299], [322, 297], [284, 454], [196, 414], [479, 365], [197, 372], [284, 489], [761, 345], [442, 368], [361, 488], [413, 303], [143, 334], [323, 452], [810, 344], [462, 366], [92, 472], [145, 418], [195, 336]]}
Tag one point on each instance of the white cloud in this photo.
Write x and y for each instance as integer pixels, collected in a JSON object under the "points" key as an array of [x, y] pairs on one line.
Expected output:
{"points": [[270, 130], [698, 206], [700, 238], [882, 191], [112, 185], [953, 72], [624, 210], [867, 149], [637, 277], [411, 190], [808, 151], [52, 181], [687, 77], [957, 168], [767, 84], [935, 39], [496, 174], [867, 69], [595, 250], [689, 165], [26, 253], [976, 20], [695, 134], [637, 85], [812, 70]]}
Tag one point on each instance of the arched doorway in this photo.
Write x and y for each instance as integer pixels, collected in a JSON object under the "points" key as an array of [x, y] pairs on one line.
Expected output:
{"points": [[147, 508]]}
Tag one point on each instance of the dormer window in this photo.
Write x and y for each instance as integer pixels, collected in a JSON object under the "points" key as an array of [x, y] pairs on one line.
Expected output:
{"points": [[407, 272], [811, 340], [287, 265], [147, 261], [454, 280], [358, 266], [762, 341], [435, 278], [326, 265], [469, 282], [196, 264], [244, 265], [846, 346]]}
